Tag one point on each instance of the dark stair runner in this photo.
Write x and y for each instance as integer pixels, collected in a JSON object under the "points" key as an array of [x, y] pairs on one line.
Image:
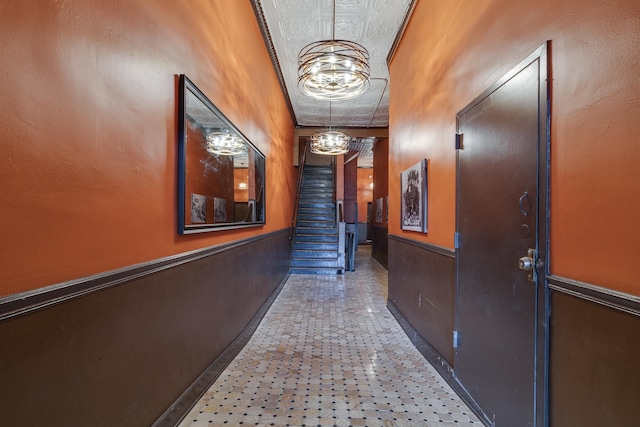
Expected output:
{"points": [[315, 244]]}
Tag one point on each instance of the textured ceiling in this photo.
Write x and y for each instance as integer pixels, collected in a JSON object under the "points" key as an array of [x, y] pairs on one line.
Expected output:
{"points": [[289, 25]]}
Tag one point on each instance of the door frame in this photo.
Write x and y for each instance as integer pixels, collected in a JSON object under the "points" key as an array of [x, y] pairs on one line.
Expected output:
{"points": [[541, 344]]}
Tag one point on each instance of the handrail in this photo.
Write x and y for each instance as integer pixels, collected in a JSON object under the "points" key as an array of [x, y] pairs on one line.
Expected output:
{"points": [[334, 173], [298, 190]]}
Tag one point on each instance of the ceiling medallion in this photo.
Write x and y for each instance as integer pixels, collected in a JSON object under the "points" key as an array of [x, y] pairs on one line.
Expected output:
{"points": [[333, 70], [225, 144], [331, 143]]}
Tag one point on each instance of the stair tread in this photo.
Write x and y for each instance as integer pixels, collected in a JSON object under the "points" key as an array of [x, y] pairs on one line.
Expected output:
{"points": [[315, 271], [305, 254]]}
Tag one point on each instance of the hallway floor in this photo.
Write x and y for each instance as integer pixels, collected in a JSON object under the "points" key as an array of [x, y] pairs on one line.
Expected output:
{"points": [[329, 353]]}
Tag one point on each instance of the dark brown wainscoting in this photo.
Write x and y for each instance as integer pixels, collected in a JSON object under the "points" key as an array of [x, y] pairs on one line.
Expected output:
{"points": [[594, 347], [422, 287], [380, 245], [121, 348]]}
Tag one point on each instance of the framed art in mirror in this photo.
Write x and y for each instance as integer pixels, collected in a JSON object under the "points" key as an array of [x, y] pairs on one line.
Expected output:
{"points": [[221, 175]]}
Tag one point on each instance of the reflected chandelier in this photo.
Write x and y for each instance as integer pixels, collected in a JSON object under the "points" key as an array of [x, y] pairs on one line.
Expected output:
{"points": [[225, 144], [333, 70]]}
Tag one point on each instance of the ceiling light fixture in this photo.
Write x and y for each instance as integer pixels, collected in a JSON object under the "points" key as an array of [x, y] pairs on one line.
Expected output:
{"points": [[333, 70], [225, 144], [330, 142]]}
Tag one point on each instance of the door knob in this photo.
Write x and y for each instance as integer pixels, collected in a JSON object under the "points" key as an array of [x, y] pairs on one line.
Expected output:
{"points": [[525, 263]]}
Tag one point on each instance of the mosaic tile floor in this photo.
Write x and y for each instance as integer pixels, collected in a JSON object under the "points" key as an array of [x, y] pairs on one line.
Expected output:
{"points": [[329, 353]]}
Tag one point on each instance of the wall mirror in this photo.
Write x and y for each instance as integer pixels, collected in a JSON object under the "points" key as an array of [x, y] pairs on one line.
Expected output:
{"points": [[220, 173]]}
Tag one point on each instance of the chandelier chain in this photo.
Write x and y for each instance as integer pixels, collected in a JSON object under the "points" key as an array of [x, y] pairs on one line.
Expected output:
{"points": [[333, 27]]}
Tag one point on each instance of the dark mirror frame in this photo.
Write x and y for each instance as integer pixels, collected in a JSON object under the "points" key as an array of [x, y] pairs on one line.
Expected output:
{"points": [[215, 172]]}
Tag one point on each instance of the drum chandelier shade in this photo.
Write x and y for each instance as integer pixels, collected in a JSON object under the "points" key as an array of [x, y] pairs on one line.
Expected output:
{"points": [[330, 143], [333, 70], [225, 144]]}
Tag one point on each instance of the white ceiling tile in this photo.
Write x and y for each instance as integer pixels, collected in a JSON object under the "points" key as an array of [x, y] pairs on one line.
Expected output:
{"points": [[292, 24]]}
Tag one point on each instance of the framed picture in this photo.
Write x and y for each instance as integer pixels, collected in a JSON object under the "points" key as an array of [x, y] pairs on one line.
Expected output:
{"points": [[386, 210], [219, 209], [198, 208], [379, 208], [414, 197]]}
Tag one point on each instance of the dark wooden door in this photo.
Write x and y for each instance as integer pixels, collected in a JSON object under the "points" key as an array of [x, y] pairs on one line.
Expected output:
{"points": [[501, 205]]}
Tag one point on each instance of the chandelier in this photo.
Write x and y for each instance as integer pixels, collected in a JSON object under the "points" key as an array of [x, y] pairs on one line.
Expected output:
{"points": [[225, 144], [333, 70], [331, 143]]}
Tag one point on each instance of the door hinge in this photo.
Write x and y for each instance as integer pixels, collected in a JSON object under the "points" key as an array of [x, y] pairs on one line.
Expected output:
{"points": [[456, 240], [458, 141], [456, 339]]}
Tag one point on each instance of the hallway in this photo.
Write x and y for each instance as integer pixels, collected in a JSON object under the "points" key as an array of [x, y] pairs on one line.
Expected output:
{"points": [[329, 353]]}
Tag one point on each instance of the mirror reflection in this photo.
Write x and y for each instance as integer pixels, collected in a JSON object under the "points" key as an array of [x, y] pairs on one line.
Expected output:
{"points": [[221, 173]]}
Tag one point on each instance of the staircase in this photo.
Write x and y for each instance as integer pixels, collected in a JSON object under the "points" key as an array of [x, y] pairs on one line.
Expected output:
{"points": [[315, 241]]}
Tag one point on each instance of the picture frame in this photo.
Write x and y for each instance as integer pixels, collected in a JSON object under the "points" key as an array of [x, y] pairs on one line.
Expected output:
{"points": [[219, 209], [386, 210], [198, 208], [413, 197], [379, 209]]}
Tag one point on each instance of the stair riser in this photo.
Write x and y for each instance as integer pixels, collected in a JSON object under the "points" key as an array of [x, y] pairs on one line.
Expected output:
{"points": [[315, 207], [314, 263], [316, 224], [317, 231], [313, 196], [310, 170], [317, 198], [316, 217], [316, 238], [315, 246], [315, 204], [317, 182], [302, 255]]}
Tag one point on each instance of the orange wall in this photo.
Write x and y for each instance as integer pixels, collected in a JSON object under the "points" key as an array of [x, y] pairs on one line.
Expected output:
{"points": [[451, 52], [88, 129], [365, 193]]}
